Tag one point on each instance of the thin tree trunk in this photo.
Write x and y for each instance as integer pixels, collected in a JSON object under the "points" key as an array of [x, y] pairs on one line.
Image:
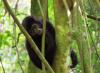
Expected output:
{"points": [[62, 37], [82, 39]]}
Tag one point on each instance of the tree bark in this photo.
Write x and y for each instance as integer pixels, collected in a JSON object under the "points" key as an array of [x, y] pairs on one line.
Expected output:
{"points": [[62, 37]]}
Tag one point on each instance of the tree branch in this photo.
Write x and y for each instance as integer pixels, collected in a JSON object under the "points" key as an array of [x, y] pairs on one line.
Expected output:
{"points": [[93, 17]]}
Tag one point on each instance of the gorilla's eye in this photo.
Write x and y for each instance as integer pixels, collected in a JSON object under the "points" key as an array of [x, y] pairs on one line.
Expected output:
{"points": [[35, 26]]}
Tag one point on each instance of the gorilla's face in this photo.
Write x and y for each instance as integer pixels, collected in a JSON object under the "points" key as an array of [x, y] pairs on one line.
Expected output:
{"points": [[35, 30]]}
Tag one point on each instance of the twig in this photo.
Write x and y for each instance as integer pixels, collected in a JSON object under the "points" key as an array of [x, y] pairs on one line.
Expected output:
{"points": [[2, 65]]}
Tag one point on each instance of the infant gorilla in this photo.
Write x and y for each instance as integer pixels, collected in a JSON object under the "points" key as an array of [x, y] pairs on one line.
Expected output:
{"points": [[34, 28]]}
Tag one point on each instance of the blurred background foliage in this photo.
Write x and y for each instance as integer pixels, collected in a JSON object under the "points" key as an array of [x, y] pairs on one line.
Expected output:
{"points": [[8, 36]]}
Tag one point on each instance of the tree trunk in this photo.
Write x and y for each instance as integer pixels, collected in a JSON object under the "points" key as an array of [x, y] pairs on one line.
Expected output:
{"points": [[62, 37], [81, 36]]}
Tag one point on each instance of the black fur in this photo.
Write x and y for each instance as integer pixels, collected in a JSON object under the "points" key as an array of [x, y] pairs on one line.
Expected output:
{"points": [[50, 44], [73, 58]]}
